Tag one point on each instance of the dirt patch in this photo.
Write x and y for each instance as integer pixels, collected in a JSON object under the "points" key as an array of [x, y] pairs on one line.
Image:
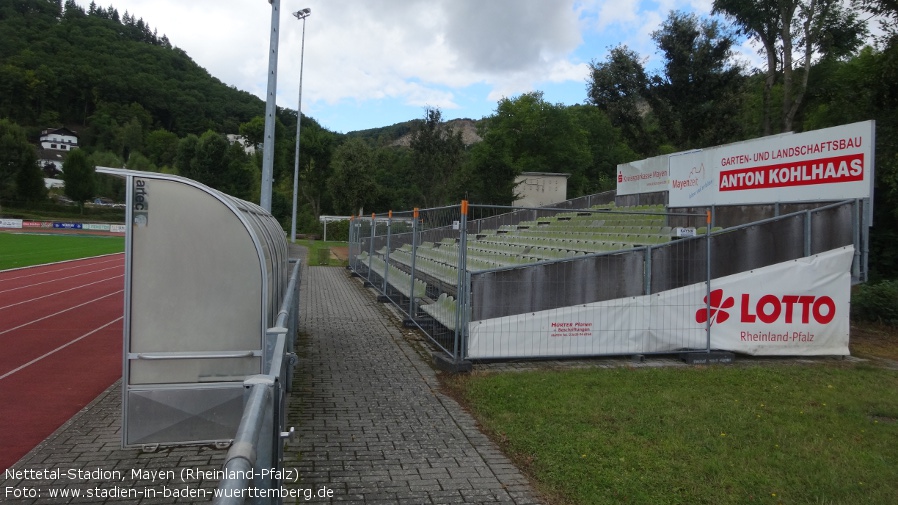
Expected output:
{"points": [[874, 340], [340, 253]]}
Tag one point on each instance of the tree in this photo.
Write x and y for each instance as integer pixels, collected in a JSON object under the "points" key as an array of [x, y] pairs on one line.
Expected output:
{"points": [[14, 157], [697, 98], [436, 157], [352, 181], [30, 179], [210, 160], [316, 150], [529, 134], [619, 87], [78, 174], [161, 147], [801, 31]]}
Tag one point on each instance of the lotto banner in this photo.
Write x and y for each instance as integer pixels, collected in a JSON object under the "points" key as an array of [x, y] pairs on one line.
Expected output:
{"points": [[829, 164], [796, 308]]}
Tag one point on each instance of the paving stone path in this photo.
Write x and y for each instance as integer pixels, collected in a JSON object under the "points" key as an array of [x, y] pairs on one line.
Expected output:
{"points": [[373, 426]]}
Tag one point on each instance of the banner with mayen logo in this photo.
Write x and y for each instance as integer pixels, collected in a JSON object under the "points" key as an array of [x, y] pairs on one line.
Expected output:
{"points": [[796, 308], [643, 176], [829, 164]]}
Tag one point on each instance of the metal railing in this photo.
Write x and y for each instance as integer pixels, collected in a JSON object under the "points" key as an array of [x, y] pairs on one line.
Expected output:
{"points": [[250, 472], [444, 271], [447, 273]]}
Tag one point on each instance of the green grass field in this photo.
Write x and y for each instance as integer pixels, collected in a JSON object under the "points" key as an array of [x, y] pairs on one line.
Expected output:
{"points": [[21, 250], [817, 434]]}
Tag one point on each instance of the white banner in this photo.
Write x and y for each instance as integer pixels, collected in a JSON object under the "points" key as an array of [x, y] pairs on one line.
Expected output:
{"points": [[643, 176], [95, 226], [796, 308], [10, 223], [829, 164]]}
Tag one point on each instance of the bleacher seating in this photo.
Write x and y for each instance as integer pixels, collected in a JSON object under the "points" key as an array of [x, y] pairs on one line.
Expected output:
{"points": [[443, 310], [564, 235]]}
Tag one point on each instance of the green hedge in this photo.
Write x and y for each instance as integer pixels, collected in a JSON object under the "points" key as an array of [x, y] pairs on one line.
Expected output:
{"points": [[875, 302]]}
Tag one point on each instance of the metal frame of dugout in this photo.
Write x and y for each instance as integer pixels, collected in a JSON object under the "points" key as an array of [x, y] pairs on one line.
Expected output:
{"points": [[205, 275]]}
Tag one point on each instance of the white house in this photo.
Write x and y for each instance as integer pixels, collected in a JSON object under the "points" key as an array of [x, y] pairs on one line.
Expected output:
{"points": [[61, 139], [538, 189], [55, 146]]}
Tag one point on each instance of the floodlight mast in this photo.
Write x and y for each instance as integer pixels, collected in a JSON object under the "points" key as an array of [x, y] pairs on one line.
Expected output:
{"points": [[300, 14], [270, 108]]}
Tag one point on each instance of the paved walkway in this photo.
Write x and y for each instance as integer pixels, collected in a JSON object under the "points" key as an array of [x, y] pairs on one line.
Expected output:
{"points": [[372, 427]]}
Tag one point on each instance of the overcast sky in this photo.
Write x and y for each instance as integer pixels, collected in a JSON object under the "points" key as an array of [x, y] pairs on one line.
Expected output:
{"points": [[371, 63]]}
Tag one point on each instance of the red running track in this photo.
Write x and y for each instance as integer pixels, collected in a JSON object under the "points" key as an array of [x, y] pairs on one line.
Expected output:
{"points": [[60, 346]]}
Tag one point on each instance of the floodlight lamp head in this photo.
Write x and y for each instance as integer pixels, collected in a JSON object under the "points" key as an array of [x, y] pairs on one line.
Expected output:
{"points": [[303, 13]]}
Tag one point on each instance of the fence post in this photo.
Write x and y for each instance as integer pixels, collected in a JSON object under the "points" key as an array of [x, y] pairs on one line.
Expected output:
{"points": [[351, 240], [387, 254], [371, 245], [411, 302], [647, 272], [462, 266], [807, 233], [708, 280], [264, 440]]}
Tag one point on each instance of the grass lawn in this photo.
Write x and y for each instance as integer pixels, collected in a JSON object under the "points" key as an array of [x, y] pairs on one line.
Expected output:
{"points": [[816, 434], [20, 250], [316, 246]]}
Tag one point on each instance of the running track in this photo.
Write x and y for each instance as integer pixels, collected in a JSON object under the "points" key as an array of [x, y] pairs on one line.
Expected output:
{"points": [[60, 346]]}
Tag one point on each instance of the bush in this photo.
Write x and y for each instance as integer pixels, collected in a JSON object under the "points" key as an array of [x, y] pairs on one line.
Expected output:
{"points": [[337, 231], [875, 302]]}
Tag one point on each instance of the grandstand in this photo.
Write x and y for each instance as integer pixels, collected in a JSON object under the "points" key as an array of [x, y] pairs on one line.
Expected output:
{"points": [[626, 274]]}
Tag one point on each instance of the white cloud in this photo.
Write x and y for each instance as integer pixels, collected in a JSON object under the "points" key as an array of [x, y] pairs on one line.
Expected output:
{"points": [[412, 52]]}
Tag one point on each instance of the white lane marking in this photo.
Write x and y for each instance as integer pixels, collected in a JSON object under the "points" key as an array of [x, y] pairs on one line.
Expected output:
{"points": [[60, 292], [63, 346], [60, 279], [8, 270], [61, 312]]}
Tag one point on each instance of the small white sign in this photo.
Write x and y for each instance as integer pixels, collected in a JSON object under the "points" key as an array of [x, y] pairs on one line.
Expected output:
{"points": [[456, 225], [684, 232]]}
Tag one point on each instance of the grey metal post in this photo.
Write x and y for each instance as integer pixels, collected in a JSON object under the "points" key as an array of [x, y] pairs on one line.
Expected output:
{"points": [[647, 272], [856, 240], [242, 456], [708, 280], [411, 302], [807, 233], [462, 266], [371, 244], [387, 255], [866, 212], [301, 14], [264, 443], [270, 107]]}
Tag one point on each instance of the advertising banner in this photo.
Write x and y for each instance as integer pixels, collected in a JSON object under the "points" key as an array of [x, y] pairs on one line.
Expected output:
{"points": [[10, 223], [37, 224], [67, 226], [643, 176], [95, 226], [117, 228], [796, 308], [829, 164]]}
